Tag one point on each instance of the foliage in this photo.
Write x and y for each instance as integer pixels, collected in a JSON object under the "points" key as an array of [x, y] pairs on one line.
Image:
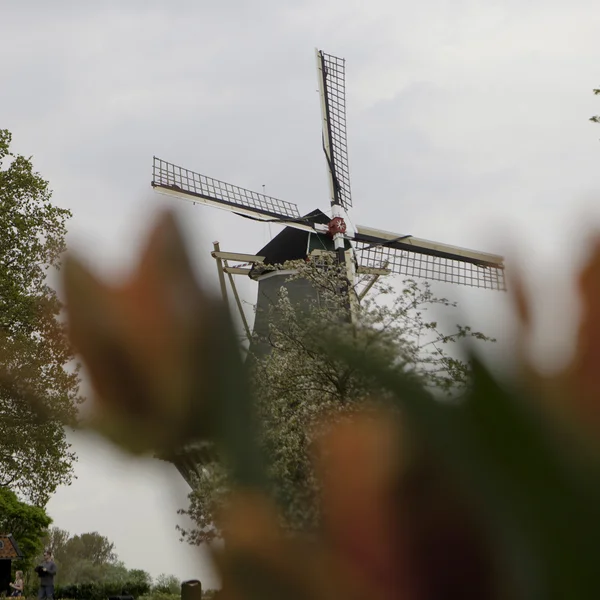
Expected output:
{"points": [[101, 590], [126, 336], [95, 548], [299, 382], [139, 576], [153, 595], [89, 558], [35, 457], [166, 584], [28, 525], [88, 569], [56, 540]]}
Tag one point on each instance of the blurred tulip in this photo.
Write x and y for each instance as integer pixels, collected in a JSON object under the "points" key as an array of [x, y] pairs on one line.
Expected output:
{"points": [[391, 530], [583, 373], [402, 518], [394, 520], [158, 350], [573, 393], [260, 562]]}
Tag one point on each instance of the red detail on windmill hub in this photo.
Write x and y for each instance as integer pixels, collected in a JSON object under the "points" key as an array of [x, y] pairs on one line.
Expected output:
{"points": [[336, 225]]}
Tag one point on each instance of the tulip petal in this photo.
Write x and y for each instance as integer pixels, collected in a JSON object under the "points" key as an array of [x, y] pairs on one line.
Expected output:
{"points": [[584, 380], [260, 562], [358, 466]]}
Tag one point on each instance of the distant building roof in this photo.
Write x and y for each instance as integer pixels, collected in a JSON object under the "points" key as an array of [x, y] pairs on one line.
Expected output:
{"points": [[9, 549]]}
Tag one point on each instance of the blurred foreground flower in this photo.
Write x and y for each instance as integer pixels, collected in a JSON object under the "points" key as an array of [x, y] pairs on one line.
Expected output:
{"points": [[483, 498], [159, 350], [573, 393], [392, 528]]}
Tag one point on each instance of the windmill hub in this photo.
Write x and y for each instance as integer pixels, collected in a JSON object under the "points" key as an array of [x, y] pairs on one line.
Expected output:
{"points": [[335, 226]]}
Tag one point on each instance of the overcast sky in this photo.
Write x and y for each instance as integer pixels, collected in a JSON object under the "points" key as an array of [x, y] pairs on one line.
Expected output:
{"points": [[468, 124]]}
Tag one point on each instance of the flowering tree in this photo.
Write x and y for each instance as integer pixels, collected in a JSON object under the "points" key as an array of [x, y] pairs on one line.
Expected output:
{"points": [[298, 383]]}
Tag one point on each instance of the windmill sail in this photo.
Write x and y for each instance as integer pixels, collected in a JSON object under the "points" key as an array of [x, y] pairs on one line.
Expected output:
{"points": [[173, 180], [414, 257], [332, 84]]}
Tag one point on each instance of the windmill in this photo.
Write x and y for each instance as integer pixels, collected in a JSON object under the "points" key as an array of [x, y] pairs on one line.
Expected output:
{"points": [[365, 250], [370, 248]]}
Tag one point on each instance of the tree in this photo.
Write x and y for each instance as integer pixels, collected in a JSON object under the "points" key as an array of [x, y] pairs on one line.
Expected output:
{"points": [[90, 558], [28, 524], [35, 456], [84, 558], [140, 577], [56, 540], [93, 547], [298, 383], [166, 584]]}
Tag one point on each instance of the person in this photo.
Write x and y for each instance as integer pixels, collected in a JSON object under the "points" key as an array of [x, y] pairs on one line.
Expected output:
{"points": [[17, 586], [46, 571]]}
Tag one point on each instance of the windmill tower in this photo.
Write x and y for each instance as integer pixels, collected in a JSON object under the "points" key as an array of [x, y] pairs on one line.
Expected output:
{"points": [[364, 249]]}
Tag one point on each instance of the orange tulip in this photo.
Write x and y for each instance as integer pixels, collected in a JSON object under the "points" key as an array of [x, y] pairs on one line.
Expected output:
{"points": [[392, 529], [156, 349], [583, 373], [572, 394], [394, 519]]}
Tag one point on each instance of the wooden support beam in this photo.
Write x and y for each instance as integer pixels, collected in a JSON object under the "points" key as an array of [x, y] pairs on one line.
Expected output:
{"points": [[221, 258], [220, 270], [373, 281], [236, 270], [247, 258]]}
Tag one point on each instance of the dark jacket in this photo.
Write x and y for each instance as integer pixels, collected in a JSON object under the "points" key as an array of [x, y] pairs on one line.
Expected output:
{"points": [[47, 576]]}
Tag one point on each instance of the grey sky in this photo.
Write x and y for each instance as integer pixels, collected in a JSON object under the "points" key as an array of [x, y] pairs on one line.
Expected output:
{"points": [[467, 124]]}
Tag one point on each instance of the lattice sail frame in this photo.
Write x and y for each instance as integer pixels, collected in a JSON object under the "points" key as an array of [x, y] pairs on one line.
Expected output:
{"points": [[427, 266], [169, 176], [334, 90]]}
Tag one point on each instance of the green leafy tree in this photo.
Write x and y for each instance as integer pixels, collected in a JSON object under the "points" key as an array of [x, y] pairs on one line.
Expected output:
{"points": [[35, 456], [166, 584], [298, 382], [56, 540], [101, 589], [83, 571], [84, 558], [28, 524], [140, 576], [92, 547], [115, 575], [88, 567]]}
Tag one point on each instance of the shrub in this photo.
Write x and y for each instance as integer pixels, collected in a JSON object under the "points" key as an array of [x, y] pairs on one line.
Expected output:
{"points": [[166, 584], [102, 590], [161, 596]]}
